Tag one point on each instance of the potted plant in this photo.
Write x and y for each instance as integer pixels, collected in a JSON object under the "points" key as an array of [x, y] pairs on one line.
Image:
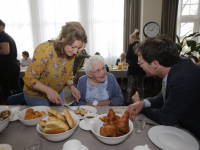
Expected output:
{"points": [[187, 46]]}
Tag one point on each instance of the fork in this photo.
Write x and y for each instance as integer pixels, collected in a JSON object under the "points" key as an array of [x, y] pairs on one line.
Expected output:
{"points": [[78, 105]]}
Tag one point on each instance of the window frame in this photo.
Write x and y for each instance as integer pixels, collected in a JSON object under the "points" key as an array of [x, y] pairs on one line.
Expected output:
{"points": [[188, 18]]}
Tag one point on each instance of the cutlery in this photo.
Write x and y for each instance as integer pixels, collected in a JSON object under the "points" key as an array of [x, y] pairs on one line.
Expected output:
{"points": [[68, 107], [150, 124]]}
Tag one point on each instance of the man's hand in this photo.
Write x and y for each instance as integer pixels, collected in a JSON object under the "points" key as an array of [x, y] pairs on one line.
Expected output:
{"points": [[136, 107], [75, 93], [136, 97], [53, 96]]}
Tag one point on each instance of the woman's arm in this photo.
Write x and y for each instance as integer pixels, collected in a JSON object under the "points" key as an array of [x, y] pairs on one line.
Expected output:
{"points": [[74, 90]]}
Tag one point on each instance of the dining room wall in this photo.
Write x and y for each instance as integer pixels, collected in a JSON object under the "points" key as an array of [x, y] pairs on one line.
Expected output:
{"points": [[151, 10]]}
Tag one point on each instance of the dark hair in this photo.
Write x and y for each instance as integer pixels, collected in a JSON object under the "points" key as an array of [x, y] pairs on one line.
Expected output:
{"points": [[159, 48], [25, 53], [2, 23]]}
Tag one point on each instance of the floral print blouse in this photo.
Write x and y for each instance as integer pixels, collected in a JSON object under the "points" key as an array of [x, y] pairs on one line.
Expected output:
{"points": [[47, 69]]}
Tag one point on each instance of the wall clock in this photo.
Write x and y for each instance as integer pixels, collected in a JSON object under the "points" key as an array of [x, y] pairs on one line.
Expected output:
{"points": [[151, 29]]}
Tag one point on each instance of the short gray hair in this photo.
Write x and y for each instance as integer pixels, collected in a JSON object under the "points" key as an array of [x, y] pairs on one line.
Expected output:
{"points": [[93, 60], [123, 54]]}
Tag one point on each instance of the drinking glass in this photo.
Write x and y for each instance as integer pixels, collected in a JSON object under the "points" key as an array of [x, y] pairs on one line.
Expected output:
{"points": [[139, 124], [33, 144]]}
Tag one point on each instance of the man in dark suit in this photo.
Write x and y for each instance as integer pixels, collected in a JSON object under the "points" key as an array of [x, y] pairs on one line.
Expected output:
{"points": [[179, 100]]}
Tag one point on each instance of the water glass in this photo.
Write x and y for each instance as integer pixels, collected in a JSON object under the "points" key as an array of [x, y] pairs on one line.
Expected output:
{"points": [[33, 144], [139, 124]]}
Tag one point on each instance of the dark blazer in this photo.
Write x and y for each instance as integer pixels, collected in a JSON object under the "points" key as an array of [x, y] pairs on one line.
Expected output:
{"points": [[133, 68], [182, 101]]}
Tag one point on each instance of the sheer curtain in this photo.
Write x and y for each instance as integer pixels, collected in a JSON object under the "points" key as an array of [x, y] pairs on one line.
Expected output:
{"points": [[31, 22]]}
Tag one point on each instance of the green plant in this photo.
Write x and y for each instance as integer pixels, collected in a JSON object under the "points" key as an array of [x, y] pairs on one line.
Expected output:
{"points": [[186, 45]]}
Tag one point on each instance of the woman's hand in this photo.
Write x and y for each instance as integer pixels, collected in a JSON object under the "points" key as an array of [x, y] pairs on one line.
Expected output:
{"points": [[75, 93], [53, 96]]}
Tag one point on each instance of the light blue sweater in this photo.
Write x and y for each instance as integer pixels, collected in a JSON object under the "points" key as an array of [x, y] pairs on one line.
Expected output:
{"points": [[113, 88]]}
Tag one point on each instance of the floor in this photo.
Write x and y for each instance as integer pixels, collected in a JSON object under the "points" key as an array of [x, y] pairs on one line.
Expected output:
{"points": [[152, 86]]}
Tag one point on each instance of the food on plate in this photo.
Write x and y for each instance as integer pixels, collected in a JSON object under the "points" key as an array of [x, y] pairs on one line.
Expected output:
{"points": [[55, 124], [114, 125], [82, 111], [31, 114], [4, 114], [52, 112], [125, 63]]}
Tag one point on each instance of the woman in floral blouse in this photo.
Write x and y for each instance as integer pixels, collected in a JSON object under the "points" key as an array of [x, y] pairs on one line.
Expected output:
{"points": [[52, 67]]}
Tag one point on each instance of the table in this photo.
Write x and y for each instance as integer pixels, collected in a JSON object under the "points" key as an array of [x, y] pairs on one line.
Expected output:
{"points": [[17, 134], [117, 73]]}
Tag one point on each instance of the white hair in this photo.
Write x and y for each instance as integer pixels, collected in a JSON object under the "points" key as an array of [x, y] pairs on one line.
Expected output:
{"points": [[123, 54], [93, 60]]}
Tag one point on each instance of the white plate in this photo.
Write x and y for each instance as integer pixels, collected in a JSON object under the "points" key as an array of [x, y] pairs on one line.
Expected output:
{"points": [[171, 138], [92, 109], [15, 113], [82, 125], [6, 146], [83, 147]]}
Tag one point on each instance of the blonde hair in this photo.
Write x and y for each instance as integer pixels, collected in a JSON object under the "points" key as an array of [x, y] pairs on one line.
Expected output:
{"points": [[135, 35], [69, 33]]}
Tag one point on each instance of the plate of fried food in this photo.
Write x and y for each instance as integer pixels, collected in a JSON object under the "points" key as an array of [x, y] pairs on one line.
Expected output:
{"points": [[30, 116], [58, 126], [84, 110], [111, 128]]}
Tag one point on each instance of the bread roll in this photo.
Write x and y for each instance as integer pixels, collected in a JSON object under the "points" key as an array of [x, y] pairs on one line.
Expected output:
{"points": [[29, 116], [53, 118], [42, 113], [69, 118], [30, 110], [55, 127], [57, 114], [42, 123]]}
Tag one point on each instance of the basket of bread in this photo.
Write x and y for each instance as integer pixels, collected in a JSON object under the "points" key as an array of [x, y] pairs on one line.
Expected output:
{"points": [[30, 116], [58, 126], [125, 65], [111, 128]]}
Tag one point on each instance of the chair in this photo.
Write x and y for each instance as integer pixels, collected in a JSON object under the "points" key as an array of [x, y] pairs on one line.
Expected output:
{"points": [[16, 99]]}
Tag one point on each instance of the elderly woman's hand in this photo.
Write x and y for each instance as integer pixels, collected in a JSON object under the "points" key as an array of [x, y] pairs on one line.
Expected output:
{"points": [[75, 93], [53, 96], [104, 103]]}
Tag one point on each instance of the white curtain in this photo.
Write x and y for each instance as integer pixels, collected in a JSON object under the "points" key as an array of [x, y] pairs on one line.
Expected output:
{"points": [[31, 22]]}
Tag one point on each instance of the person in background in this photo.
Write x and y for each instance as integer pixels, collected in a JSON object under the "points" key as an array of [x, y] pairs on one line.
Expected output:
{"points": [[107, 69], [178, 102], [122, 59], [98, 86], [25, 60], [9, 66], [135, 73], [52, 67], [78, 62]]}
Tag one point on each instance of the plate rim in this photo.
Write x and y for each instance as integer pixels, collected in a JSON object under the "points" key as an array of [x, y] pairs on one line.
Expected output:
{"points": [[82, 127], [154, 131]]}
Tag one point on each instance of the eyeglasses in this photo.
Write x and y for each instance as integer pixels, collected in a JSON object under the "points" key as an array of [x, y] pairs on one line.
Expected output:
{"points": [[140, 63], [99, 70]]}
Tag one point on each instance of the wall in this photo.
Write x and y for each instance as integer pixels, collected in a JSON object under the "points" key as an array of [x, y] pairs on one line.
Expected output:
{"points": [[151, 10]]}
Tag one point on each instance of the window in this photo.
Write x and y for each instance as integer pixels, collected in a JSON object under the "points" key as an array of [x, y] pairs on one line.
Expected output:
{"points": [[188, 17]]}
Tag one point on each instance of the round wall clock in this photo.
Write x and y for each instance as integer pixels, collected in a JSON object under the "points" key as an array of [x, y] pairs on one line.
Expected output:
{"points": [[151, 29]]}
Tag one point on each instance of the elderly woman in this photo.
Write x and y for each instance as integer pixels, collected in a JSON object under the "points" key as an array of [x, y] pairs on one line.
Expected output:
{"points": [[98, 87], [52, 67]]}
